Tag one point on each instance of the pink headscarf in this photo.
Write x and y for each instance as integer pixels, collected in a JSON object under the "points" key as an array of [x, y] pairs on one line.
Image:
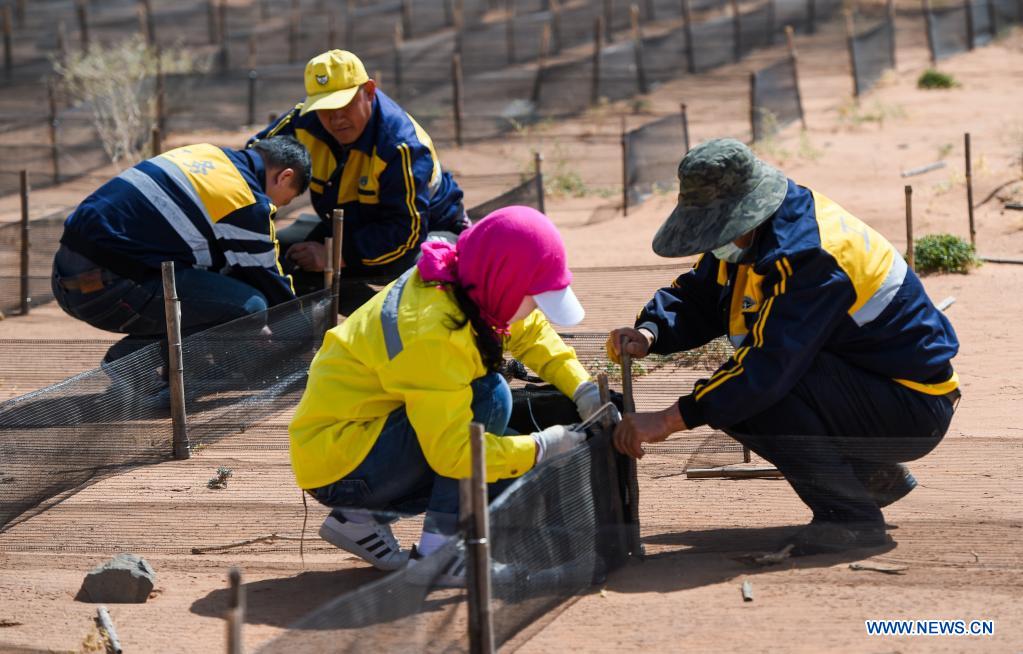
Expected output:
{"points": [[510, 254]]}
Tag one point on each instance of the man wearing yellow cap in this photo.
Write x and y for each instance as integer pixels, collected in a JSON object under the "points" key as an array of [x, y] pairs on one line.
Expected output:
{"points": [[373, 160]]}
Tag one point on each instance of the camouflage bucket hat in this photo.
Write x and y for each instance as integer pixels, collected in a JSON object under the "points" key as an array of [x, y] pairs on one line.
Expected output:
{"points": [[724, 192]]}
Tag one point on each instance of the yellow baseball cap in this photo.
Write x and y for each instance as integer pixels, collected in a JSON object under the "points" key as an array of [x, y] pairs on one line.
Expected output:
{"points": [[332, 79]]}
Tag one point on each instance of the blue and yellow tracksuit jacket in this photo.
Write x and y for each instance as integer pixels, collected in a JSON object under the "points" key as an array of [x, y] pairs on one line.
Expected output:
{"points": [[819, 279], [389, 183], [200, 206], [400, 350]]}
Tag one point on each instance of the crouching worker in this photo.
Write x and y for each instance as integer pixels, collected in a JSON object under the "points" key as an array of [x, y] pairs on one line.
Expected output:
{"points": [[384, 421], [208, 209], [841, 370]]}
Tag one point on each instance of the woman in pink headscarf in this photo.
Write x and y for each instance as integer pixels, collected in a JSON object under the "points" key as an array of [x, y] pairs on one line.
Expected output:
{"points": [[384, 421]]}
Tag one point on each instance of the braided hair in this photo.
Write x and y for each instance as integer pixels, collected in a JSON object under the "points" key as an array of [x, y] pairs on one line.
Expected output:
{"points": [[488, 342]]}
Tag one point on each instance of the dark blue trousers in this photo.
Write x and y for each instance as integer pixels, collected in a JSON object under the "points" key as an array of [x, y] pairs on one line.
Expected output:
{"points": [[835, 427]]}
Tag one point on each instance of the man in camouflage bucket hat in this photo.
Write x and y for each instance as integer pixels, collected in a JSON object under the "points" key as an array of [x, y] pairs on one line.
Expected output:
{"points": [[841, 369]]}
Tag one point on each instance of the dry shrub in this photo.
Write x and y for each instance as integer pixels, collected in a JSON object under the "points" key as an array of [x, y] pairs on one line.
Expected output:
{"points": [[118, 84]]}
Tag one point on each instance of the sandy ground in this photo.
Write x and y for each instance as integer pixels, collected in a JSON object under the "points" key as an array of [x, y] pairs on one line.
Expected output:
{"points": [[959, 534]]}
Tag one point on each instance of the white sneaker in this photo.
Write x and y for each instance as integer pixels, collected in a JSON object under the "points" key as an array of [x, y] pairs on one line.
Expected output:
{"points": [[453, 573], [373, 543]]}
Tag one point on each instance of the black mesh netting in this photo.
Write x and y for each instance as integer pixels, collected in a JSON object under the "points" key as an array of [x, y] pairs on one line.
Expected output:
{"points": [[872, 52], [982, 13], [756, 28], [775, 101], [28, 146], [652, 155], [1007, 12], [529, 193], [713, 43], [947, 30], [556, 531], [44, 238]]}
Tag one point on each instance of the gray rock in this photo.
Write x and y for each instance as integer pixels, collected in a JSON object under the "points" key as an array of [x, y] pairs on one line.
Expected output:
{"points": [[126, 578]]}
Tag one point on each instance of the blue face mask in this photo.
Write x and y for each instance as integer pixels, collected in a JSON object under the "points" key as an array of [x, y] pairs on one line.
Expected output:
{"points": [[730, 252]]}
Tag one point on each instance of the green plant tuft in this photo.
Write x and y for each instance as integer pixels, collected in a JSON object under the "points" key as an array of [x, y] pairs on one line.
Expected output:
{"points": [[944, 253], [934, 79]]}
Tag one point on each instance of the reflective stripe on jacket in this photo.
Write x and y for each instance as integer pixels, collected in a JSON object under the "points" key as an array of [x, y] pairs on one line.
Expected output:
{"points": [[400, 349], [819, 279], [200, 206], [389, 182]]}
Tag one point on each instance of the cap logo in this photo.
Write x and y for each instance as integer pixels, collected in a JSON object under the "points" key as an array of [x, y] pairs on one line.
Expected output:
{"points": [[322, 80]]}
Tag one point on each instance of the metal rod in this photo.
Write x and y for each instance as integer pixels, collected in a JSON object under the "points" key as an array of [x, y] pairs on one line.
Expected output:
{"points": [[687, 18], [625, 169], [736, 30], [337, 232], [456, 81], [176, 376], [251, 114], [328, 270], [26, 298], [478, 545], [850, 41], [538, 172], [8, 40], [82, 11], [235, 612], [910, 255], [637, 43], [156, 142], [685, 125], [598, 45], [51, 90], [969, 191], [605, 397], [791, 41], [628, 403], [107, 624]]}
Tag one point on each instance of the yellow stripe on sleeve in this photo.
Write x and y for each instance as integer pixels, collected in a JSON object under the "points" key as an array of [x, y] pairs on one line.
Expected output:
{"points": [[410, 202]]}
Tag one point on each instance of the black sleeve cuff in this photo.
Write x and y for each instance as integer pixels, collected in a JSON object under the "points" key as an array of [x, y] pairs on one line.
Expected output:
{"points": [[650, 327], [692, 413]]}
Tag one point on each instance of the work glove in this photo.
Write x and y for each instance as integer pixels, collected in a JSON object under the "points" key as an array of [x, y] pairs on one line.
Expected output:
{"points": [[587, 401], [556, 440]]}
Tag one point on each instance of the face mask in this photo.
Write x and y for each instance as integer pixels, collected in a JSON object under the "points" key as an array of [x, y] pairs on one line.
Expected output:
{"points": [[730, 252]]}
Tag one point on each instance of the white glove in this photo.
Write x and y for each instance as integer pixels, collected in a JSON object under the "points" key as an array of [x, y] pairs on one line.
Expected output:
{"points": [[556, 440], [587, 402]]}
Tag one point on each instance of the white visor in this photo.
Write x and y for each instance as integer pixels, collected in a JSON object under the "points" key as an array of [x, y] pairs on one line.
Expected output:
{"points": [[561, 307]]}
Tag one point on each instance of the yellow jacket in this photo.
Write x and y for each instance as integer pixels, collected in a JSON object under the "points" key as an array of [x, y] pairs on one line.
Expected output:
{"points": [[399, 349]]}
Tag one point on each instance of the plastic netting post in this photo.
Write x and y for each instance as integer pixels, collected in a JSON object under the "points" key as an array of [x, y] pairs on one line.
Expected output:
{"points": [[969, 190], [235, 612], [337, 227], [481, 634], [26, 299], [910, 256], [176, 376]]}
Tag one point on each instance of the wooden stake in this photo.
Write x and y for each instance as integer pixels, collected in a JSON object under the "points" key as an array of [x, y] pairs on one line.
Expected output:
{"points": [[509, 32], [971, 34], [734, 472], [481, 634], [51, 92], [253, 80], [62, 48], [628, 402], [605, 397], [161, 92], [771, 10], [457, 94], [910, 255], [929, 20], [8, 40], [156, 142], [685, 125], [850, 41], [625, 169], [890, 12], [969, 191], [26, 298], [328, 271], [235, 612], [754, 132], [82, 11], [148, 25], [176, 375], [687, 19], [736, 30], [637, 43], [598, 45], [632, 483], [406, 17], [541, 63], [338, 233], [556, 39], [538, 176], [790, 39]]}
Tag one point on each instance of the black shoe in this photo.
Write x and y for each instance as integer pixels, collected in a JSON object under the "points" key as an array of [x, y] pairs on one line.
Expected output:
{"points": [[822, 537], [888, 483]]}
